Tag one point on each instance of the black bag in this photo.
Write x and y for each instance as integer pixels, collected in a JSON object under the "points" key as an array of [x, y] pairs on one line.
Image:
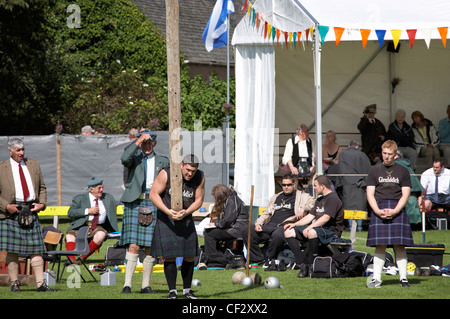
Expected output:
{"points": [[349, 264], [323, 267], [25, 218], [115, 255], [145, 216]]}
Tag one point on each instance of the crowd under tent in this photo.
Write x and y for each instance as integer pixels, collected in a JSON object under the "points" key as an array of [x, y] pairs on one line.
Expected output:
{"points": [[320, 63]]}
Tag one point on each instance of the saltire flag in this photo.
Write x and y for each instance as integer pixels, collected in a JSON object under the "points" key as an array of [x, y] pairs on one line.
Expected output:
{"points": [[215, 34]]}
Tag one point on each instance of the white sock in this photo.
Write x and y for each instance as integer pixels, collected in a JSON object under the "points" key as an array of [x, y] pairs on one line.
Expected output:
{"points": [[402, 264], [147, 268], [378, 263], [130, 267], [186, 290]]}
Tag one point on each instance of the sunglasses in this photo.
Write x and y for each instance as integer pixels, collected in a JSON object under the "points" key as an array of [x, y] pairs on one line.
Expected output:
{"points": [[284, 185]]}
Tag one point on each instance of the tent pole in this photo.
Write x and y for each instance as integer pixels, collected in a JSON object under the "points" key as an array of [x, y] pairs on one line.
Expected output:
{"points": [[318, 95]]}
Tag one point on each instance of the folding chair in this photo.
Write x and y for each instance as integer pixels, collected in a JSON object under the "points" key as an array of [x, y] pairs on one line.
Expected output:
{"points": [[81, 248]]}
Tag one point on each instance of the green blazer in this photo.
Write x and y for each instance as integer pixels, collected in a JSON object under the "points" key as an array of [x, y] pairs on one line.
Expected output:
{"points": [[81, 202], [133, 159]]}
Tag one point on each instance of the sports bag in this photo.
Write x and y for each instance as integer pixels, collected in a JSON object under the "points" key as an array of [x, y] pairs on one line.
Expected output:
{"points": [[323, 267]]}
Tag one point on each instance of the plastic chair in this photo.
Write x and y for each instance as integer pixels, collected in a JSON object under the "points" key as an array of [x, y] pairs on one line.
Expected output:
{"points": [[81, 248]]}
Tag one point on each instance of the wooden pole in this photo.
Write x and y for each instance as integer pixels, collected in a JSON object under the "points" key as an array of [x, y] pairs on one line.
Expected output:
{"points": [[173, 82], [247, 265], [58, 178]]}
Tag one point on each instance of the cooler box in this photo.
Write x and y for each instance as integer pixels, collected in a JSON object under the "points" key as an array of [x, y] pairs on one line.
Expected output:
{"points": [[425, 255]]}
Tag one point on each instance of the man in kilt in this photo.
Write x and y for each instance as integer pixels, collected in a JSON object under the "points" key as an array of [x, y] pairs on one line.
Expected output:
{"points": [[139, 218], [175, 234], [388, 189], [22, 189]]}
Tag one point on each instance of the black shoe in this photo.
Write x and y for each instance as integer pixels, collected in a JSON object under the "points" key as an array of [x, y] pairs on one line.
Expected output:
{"points": [[189, 295], [304, 269], [404, 283], [45, 288], [126, 290], [282, 265], [272, 266], [147, 290], [172, 295], [15, 287]]}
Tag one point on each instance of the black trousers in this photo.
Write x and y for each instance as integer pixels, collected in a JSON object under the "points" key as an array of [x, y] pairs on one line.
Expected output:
{"points": [[271, 234]]}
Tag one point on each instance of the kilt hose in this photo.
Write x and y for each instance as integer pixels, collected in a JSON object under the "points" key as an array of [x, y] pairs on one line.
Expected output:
{"points": [[395, 231], [132, 231], [15, 239], [174, 239]]}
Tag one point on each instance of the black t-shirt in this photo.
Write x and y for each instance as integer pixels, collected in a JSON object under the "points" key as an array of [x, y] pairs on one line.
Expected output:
{"points": [[188, 189], [388, 180], [284, 207], [332, 206]]}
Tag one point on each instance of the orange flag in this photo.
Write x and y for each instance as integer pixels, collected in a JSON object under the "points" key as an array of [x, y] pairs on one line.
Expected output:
{"points": [[411, 36], [338, 33], [396, 37], [443, 33], [278, 36], [365, 35]]}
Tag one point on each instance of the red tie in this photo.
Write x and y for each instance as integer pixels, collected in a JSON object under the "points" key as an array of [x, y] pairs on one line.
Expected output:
{"points": [[95, 220], [23, 181]]}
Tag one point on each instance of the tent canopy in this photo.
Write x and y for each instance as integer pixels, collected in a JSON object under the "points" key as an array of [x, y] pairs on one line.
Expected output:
{"points": [[279, 86]]}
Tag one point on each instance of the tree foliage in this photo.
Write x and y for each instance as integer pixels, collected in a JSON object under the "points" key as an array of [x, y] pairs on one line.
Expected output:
{"points": [[101, 63]]}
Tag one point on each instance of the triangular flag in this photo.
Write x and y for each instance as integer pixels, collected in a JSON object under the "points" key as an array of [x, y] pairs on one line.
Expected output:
{"points": [[274, 31], [265, 29], [323, 30], [278, 36], [257, 20], [294, 35], [396, 37], [286, 35], [269, 30], [253, 16], [443, 32], [245, 6], [365, 36], [338, 33], [307, 34], [427, 36], [380, 36], [248, 9], [290, 39], [411, 36]]}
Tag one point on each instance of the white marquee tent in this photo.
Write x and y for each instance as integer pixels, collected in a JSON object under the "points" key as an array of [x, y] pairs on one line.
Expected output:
{"points": [[284, 78]]}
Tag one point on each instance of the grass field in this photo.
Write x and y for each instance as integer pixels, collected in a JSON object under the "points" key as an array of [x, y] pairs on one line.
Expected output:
{"points": [[216, 284]]}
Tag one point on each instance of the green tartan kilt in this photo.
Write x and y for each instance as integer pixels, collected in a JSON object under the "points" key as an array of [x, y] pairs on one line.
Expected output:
{"points": [[15, 239], [174, 239], [132, 231]]}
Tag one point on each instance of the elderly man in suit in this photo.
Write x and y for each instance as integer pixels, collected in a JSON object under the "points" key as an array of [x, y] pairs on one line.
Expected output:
{"points": [[95, 209], [139, 213], [22, 189]]}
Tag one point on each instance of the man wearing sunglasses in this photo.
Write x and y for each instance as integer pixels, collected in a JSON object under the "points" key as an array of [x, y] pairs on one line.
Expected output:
{"points": [[285, 207]]}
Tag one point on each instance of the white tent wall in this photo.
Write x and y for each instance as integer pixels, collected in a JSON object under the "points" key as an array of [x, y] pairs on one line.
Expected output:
{"points": [[423, 73]]}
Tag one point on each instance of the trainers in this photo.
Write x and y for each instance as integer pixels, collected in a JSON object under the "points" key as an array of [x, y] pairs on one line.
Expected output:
{"points": [[272, 266], [303, 272], [374, 284], [45, 288], [189, 295], [202, 266], [147, 290], [172, 295], [15, 287], [281, 265], [404, 283]]}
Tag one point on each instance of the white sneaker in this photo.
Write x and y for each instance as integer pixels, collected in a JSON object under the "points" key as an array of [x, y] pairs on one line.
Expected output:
{"points": [[373, 283]]}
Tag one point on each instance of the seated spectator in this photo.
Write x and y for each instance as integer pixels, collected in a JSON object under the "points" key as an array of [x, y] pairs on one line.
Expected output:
{"points": [[95, 209], [444, 136], [373, 133], [324, 224], [426, 138], [299, 154], [233, 218], [401, 133], [436, 184], [330, 150], [285, 207]]}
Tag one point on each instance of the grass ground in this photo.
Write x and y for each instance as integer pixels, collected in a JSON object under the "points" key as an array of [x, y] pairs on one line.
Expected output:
{"points": [[216, 284]]}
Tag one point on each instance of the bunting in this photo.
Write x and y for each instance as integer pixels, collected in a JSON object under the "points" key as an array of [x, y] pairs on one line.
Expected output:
{"points": [[293, 38]]}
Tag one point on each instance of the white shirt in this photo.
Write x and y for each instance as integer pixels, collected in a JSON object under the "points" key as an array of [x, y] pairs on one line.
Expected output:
{"points": [[102, 213], [302, 150], [150, 170], [428, 181], [18, 184]]}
